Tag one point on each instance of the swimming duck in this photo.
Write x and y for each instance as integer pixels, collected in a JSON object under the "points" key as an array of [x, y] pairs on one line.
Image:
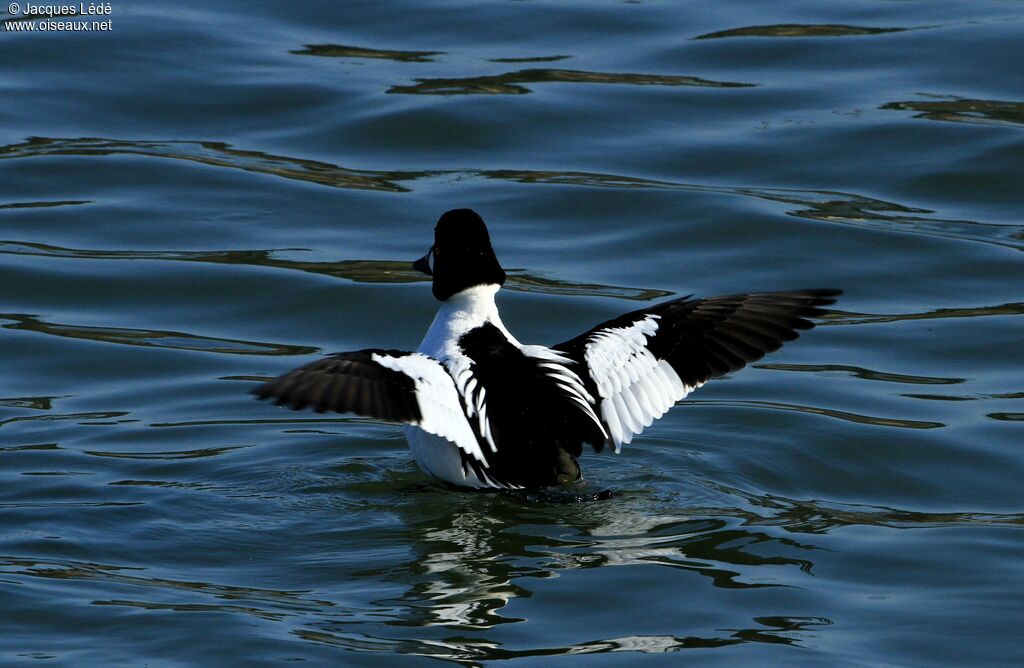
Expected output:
{"points": [[482, 410]]}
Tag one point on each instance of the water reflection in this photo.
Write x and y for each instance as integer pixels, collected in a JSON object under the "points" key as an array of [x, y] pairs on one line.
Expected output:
{"points": [[97, 415], [284, 421], [470, 557], [169, 455], [939, 397], [216, 154], [799, 30], [819, 205], [468, 651], [872, 213], [965, 110], [853, 318], [477, 553], [34, 446], [43, 205], [268, 602], [38, 403], [511, 83], [360, 271], [861, 372], [151, 338], [13, 505], [530, 59], [195, 607], [816, 516], [343, 51], [827, 412]]}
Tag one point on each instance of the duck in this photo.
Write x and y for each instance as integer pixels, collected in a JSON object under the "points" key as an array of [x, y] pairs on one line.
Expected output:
{"points": [[482, 410]]}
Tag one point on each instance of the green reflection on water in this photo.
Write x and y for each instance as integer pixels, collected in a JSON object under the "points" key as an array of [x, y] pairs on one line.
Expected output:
{"points": [[512, 83], [151, 338], [343, 51], [799, 30], [819, 205], [360, 271], [965, 110]]}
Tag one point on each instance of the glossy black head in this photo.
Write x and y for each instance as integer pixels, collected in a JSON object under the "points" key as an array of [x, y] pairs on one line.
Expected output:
{"points": [[461, 256]]}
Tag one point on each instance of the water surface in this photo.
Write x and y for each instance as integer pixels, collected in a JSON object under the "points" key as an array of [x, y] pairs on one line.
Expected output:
{"points": [[210, 194]]}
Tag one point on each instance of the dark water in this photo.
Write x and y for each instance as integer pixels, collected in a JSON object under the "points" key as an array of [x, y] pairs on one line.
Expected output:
{"points": [[212, 193]]}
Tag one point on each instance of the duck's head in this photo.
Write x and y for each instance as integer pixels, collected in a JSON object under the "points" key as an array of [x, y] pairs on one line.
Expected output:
{"points": [[461, 256]]}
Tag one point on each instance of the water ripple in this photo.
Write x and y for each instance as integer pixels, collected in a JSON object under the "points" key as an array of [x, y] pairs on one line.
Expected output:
{"points": [[168, 455], [861, 372], [37, 403], [780, 630], [860, 211], [295, 420], [43, 204], [469, 564], [98, 415], [965, 110], [530, 59], [343, 51], [359, 271], [816, 516], [68, 504], [33, 446], [799, 30], [968, 397], [853, 318], [217, 154], [827, 412], [819, 205], [1007, 417], [196, 607], [152, 338], [131, 575], [511, 83]]}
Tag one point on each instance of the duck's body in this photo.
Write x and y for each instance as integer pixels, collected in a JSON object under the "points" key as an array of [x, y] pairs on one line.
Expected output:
{"points": [[483, 410]]}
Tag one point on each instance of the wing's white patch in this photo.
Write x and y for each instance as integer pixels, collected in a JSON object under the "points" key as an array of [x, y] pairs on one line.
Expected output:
{"points": [[635, 387], [440, 406]]}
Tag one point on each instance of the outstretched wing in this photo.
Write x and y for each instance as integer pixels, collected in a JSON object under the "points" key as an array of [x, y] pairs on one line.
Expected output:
{"points": [[389, 385], [641, 363]]}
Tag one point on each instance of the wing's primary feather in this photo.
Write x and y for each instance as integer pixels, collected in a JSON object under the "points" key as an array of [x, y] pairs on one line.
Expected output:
{"points": [[641, 363]]}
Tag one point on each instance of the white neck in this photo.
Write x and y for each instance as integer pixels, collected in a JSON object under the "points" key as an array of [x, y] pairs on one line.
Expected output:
{"points": [[458, 314]]}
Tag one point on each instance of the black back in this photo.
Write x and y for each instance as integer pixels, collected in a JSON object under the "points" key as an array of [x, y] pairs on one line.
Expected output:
{"points": [[537, 429]]}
